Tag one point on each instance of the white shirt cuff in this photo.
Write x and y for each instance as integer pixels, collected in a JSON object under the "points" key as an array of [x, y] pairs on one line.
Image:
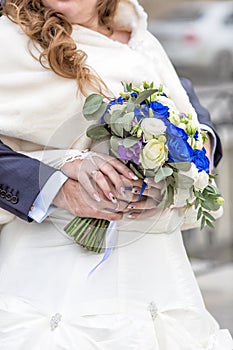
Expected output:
{"points": [[42, 205], [213, 140]]}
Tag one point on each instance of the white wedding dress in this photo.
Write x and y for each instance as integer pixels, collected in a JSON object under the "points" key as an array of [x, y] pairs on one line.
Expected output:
{"points": [[145, 296]]}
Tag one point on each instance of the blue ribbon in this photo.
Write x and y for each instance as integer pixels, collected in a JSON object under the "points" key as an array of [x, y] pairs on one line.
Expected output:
{"points": [[111, 237], [144, 185]]}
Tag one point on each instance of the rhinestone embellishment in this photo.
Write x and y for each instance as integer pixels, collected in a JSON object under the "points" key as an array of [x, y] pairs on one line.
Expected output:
{"points": [[153, 310], [55, 321]]}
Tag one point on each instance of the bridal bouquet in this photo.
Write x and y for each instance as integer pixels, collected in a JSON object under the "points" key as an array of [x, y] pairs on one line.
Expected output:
{"points": [[154, 139]]}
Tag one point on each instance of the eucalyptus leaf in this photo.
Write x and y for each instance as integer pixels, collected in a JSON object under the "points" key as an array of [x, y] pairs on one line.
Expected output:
{"points": [[127, 121], [107, 118], [116, 123], [114, 143], [130, 141], [183, 166], [144, 95], [130, 106], [184, 181], [115, 154], [98, 114], [97, 132], [162, 173], [92, 104]]}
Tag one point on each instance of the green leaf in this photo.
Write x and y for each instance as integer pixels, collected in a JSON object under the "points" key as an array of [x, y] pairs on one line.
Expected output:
{"points": [[210, 204], [114, 143], [209, 223], [203, 222], [92, 104], [127, 121], [205, 206], [209, 216], [130, 106], [144, 95], [116, 123], [115, 154], [212, 189], [213, 176], [97, 132], [98, 114], [199, 214], [184, 181], [199, 195], [130, 141], [197, 203], [162, 173], [183, 166]]}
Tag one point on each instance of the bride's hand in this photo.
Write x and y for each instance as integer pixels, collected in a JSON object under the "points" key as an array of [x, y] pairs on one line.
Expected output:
{"points": [[74, 198], [102, 171]]}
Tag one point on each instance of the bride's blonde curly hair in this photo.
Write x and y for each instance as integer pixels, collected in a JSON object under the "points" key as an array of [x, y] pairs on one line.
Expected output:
{"points": [[52, 31]]}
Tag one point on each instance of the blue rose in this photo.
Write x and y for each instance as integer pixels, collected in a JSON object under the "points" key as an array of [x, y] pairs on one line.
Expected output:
{"points": [[159, 108], [175, 131], [179, 150], [201, 160], [196, 135]]}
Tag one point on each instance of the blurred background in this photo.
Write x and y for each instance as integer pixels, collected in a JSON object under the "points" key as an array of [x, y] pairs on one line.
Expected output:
{"points": [[198, 38]]}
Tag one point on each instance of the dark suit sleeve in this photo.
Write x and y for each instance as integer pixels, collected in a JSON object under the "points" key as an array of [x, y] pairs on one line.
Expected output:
{"points": [[21, 179], [203, 116]]}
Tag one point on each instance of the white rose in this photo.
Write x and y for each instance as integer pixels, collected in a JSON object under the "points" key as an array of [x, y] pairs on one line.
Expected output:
{"points": [[154, 154], [202, 181], [152, 127]]}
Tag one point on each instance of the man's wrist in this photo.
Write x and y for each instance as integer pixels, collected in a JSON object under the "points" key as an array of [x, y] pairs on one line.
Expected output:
{"points": [[43, 204]]}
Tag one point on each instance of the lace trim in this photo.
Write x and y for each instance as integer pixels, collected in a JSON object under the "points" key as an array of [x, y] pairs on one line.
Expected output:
{"points": [[78, 155]]}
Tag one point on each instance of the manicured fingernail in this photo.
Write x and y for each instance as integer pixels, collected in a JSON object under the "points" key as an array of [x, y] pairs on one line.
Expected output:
{"points": [[133, 176], [130, 216], [112, 197], [96, 197], [131, 206]]}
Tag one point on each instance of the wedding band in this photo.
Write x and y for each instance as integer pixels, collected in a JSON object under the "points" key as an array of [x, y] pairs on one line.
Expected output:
{"points": [[94, 172]]}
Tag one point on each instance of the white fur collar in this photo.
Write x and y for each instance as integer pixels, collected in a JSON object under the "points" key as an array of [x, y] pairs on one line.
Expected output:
{"points": [[131, 15]]}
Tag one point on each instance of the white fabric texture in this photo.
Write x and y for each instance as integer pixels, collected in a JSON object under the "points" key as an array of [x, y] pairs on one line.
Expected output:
{"points": [[145, 295]]}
